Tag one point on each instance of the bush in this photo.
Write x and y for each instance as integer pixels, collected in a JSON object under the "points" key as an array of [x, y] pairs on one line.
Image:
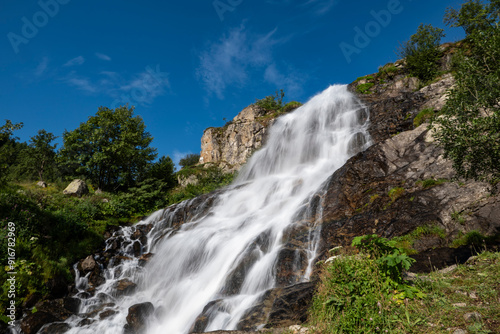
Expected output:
{"points": [[422, 52], [272, 102], [189, 160], [358, 293]]}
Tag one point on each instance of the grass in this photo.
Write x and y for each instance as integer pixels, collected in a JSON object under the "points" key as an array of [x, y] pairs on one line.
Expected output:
{"points": [[365, 88], [423, 116], [429, 183], [445, 299], [407, 241]]}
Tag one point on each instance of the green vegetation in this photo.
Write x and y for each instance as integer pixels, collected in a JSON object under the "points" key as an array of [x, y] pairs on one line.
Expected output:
{"points": [[111, 149], [396, 193], [208, 179], [429, 183], [422, 52], [358, 294], [272, 102], [407, 241], [388, 70], [365, 88], [189, 160], [423, 116], [469, 128], [274, 107]]}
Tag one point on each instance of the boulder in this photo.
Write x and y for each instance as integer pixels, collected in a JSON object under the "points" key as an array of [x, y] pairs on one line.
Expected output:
{"points": [[76, 188], [33, 322], [137, 317], [55, 328], [41, 184], [124, 287], [87, 265]]}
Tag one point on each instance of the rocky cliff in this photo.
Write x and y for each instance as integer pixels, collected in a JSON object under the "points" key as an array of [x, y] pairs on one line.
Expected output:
{"points": [[230, 146]]}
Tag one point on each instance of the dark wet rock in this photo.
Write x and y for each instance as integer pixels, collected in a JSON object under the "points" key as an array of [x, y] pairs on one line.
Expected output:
{"points": [[55, 328], [290, 266], [357, 199], [72, 304], [58, 286], [33, 322], [237, 275], [280, 307], [32, 299], [434, 259], [144, 259], [86, 322], [96, 279], [98, 308], [137, 317], [107, 314], [202, 320], [136, 248], [124, 287], [55, 307]]}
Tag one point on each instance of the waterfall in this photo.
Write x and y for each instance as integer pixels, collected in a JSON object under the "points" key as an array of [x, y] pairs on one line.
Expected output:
{"points": [[223, 258]]}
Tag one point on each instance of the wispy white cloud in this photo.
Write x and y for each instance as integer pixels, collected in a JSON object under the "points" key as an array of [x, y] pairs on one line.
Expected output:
{"points": [[145, 86], [291, 82], [228, 61], [82, 83], [103, 56], [140, 88], [75, 61], [315, 7], [42, 67]]}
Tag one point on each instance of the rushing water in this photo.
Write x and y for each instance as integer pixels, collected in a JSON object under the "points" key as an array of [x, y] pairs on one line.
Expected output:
{"points": [[244, 228]]}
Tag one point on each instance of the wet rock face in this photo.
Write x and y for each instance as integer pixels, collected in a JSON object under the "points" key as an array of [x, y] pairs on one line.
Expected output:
{"points": [[137, 317], [33, 322], [280, 307], [381, 191]]}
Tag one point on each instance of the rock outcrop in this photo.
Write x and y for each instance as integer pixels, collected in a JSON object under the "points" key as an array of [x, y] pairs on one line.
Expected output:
{"points": [[230, 146]]}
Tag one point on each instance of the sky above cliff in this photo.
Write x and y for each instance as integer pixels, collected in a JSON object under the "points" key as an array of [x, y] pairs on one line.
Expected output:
{"points": [[189, 65]]}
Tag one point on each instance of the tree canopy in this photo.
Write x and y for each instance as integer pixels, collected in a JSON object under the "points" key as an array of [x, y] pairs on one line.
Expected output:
{"points": [[422, 52], [469, 130], [111, 149]]}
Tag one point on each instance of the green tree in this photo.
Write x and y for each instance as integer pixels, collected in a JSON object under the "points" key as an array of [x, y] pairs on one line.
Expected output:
{"points": [[469, 130], [272, 102], [40, 155], [111, 149], [8, 149], [422, 52], [473, 16], [189, 160], [162, 173]]}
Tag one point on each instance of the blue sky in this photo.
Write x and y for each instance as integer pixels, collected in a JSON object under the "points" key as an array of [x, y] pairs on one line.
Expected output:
{"points": [[188, 65]]}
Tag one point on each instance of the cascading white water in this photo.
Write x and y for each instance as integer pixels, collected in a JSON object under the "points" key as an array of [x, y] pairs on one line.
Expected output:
{"points": [[194, 265]]}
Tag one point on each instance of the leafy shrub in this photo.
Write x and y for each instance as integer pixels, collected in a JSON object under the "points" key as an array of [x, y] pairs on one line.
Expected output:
{"points": [[358, 293], [189, 160], [422, 52], [272, 102]]}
